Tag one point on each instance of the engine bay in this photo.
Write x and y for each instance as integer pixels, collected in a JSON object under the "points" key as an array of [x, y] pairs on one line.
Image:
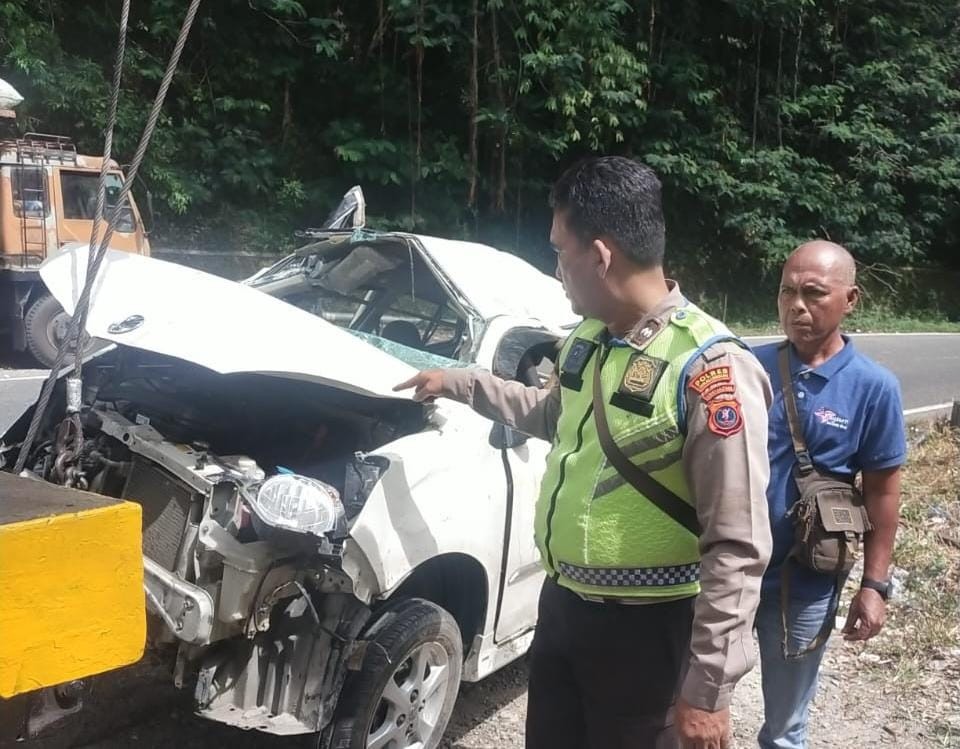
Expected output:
{"points": [[279, 423], [235, 590]]}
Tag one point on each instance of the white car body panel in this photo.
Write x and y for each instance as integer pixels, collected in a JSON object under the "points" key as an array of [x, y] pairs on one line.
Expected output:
{"points": [[235, 328], [498, 283], [446, 489]]}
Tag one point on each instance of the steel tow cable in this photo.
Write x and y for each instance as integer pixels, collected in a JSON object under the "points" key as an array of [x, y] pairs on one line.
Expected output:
{"points": [[77, 328]]}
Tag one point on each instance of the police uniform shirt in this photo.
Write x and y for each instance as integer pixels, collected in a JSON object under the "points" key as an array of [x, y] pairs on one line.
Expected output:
{"points": [[725, 461]]}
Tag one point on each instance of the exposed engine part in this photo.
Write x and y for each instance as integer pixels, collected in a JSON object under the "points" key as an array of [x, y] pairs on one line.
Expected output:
{"points": [[284, 681], [186, 609], [264, 613]]}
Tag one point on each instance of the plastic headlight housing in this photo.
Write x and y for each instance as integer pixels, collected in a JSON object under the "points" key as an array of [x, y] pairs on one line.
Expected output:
{"points": [[299, 504]]}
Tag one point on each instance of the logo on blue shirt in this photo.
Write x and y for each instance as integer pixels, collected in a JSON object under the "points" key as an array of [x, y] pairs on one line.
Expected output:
{"points": [[831, 418]]}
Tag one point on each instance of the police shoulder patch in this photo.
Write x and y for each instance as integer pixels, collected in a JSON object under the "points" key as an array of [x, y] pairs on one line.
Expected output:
{"points": [[724, 417], [714, 384]]}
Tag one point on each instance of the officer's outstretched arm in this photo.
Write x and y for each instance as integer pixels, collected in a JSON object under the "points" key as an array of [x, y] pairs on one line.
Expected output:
{"points": [[531, 410]]}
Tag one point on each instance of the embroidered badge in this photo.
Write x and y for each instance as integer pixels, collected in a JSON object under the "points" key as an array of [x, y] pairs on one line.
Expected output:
{"points": [[641, 376], [724, 417], [714, 384], [831, 418]]}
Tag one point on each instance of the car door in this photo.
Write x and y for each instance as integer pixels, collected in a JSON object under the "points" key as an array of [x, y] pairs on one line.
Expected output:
{"points": [[524, 354]]}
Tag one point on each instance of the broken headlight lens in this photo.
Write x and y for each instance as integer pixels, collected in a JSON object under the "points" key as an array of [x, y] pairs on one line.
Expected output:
{"points": [[300, 504]]}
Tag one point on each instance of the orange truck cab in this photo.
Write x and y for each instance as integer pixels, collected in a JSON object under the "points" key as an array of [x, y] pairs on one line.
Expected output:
{"points": [[48, 197]]}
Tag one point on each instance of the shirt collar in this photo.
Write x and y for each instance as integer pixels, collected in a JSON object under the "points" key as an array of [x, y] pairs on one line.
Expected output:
{"points": [[650, 325], [830, 367]]}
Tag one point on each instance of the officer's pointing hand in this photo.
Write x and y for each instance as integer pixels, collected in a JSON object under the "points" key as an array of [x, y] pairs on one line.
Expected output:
{"points": [[428, 384]]}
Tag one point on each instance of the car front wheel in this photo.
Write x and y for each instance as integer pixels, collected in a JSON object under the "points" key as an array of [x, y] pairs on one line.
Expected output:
{"points": [[405, 691]]}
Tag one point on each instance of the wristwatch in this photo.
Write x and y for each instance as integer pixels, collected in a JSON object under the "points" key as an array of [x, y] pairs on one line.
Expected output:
{"points": [[884, 588]]}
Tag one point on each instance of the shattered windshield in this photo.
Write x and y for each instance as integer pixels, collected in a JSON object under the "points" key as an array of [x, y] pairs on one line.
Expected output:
{"points": [[383, 292], [414, 357]]}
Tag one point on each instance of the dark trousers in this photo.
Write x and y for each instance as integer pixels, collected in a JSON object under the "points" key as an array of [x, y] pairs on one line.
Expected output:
{"points": [[605, 675]]}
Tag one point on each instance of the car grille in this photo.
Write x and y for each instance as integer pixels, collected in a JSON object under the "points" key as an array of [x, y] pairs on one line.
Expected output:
{"points": [[166, 509]]}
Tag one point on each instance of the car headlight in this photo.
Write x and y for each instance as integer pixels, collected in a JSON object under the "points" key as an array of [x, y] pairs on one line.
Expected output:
{"points": [[299, 504]]}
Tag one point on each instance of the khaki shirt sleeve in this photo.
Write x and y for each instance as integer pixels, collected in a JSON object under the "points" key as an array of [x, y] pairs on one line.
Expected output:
{"points": [[728, 477], [531, 410]]}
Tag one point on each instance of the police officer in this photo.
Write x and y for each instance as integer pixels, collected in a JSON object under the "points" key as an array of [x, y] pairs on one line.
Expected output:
{"points": [[626, 654]]}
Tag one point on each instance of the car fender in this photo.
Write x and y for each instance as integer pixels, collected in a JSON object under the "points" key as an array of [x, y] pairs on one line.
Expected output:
{"points": [[444, 492]]}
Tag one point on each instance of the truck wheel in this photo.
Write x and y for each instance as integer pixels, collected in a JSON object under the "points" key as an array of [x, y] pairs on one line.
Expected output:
{"points": [[404, 693], [46, 326]]}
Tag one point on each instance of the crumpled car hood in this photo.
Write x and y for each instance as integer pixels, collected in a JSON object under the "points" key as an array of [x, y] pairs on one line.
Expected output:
{"points": [[219, 324], [498, 283]]}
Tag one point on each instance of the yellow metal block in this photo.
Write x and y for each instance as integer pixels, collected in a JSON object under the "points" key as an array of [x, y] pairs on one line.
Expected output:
{"points": [[71, 585]]}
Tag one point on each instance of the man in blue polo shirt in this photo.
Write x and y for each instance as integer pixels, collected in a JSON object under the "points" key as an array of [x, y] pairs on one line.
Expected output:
{"points": [[852, 421]]}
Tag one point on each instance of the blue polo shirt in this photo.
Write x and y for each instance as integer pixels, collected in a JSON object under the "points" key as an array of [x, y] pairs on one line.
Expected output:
{"points": [[852, 421]]}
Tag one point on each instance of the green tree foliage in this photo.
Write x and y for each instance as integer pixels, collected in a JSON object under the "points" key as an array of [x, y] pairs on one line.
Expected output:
{"points": [[770, 121]]}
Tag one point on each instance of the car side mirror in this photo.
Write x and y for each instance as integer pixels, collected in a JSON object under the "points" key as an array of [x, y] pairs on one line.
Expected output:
{"points": [[503, 437]]}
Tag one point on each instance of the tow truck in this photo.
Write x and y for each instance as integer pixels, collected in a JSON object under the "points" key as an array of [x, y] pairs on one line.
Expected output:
{"points": [[48, 195]]}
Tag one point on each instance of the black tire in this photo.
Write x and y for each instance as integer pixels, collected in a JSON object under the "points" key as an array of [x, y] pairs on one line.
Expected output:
{"points": [[414, 631], [44, 325]]}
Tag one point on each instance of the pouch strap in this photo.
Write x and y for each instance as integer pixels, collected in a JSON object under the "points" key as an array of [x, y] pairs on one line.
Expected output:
{"points": [[826, 628], [805, 464], [664, 499]]}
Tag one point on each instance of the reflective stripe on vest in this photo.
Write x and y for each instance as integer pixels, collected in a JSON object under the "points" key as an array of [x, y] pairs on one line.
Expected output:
{"points": [[594, 531]]}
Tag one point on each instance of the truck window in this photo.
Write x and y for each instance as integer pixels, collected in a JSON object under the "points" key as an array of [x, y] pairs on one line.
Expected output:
{"points": [[29, 185], [79, 190]]}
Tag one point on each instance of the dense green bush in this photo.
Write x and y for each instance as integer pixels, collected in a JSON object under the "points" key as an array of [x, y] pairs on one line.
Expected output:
{"points": [[770, 121]]}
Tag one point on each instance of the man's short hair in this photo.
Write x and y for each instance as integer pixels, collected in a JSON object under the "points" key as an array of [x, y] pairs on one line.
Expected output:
{"points": [[617, 198]]}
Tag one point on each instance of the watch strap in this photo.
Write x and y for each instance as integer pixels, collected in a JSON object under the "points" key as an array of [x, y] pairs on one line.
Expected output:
{"points": [[882, 587]]}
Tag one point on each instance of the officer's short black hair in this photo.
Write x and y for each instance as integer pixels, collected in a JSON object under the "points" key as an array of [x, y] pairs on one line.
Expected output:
{"points": [[614, 197]]}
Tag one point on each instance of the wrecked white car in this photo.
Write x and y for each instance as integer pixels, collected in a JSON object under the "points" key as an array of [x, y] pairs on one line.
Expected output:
{"points": [[322, 555]]}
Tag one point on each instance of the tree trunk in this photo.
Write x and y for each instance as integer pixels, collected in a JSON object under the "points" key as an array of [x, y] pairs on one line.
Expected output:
{"points": [[779, 73], [381, 32], [516, 245], [756, 88], [418, 140], [500, 196], [652, 30], [287, 123], [474, 105], [796, 62]]}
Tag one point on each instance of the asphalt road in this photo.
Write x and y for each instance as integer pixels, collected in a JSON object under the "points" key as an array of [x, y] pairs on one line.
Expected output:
{"points": [[928, 365]]}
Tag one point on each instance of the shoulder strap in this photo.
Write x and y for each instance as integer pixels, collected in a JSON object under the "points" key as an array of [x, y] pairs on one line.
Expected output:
{"points": [[793, 416], [664, 499]]}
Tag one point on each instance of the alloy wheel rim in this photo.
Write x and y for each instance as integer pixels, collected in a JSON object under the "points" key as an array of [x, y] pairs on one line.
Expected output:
{"points": [[412, 701]]}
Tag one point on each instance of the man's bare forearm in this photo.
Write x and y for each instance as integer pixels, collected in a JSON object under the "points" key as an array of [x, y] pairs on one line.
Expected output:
{"points": [[881, 494]]}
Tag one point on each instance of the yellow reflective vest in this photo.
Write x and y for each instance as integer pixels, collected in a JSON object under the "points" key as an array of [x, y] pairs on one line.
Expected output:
{"points": [[596, 534]]}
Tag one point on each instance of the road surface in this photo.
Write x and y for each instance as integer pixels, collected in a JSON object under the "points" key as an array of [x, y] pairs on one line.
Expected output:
{"points": [[927, 364]]}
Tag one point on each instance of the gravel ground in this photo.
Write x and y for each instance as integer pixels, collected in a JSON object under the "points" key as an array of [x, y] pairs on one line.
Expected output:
{"points": [[859, 705]]}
